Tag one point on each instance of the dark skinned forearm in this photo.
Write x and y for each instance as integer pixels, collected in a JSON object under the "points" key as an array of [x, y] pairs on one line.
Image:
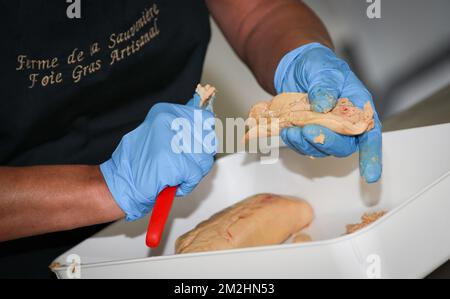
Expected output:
{"points": [[43, 199], [263, 31]]}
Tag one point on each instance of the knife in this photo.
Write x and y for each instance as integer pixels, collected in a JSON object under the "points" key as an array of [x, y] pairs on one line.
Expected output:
{"points": [[160, 213]]}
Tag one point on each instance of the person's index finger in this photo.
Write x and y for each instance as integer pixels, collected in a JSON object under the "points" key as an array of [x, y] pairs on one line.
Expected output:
{"points": [[370, 155]]}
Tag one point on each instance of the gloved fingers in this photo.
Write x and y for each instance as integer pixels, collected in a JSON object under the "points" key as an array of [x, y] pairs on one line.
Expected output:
{"points": [[325, 89], [204, 147], [329, 142], [293, 137], [186, 188], [193, 174], [323, 76], [355, 91], [195, 101], [173, 108], [205, 137], [322, 98], [189, 113], [210, 142], [181, 112], [159, 108], [195, 169], [370, 154], [370, 143], [205, 163]]}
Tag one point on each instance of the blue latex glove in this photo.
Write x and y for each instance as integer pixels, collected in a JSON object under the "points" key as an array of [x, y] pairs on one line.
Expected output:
{"points": [[145, 163], [317, 70]]}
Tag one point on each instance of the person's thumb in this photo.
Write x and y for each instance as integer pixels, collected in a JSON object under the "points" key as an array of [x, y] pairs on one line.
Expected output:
{"points": [[325, 90], [324, 75]]}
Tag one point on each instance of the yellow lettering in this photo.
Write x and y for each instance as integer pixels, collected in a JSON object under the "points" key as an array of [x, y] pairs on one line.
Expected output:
{"points": [[75, 57], [51, 79], [95, 48], [80, 71], [112, 39], [45, 81], [77, 73], [115, 57], [21, 59], [33, 79], [36, 64], [55, 63], [58, 78]]}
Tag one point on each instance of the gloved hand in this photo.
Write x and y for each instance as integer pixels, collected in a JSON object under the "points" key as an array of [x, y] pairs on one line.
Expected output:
{"points": [[317, 70], [150, 158]]}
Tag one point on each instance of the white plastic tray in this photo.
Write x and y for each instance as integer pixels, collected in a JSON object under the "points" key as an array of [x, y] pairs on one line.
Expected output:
{"points": [[410, 242]]}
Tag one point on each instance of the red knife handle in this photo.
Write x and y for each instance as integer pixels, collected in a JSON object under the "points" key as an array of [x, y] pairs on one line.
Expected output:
{"points": [[159, 216]]}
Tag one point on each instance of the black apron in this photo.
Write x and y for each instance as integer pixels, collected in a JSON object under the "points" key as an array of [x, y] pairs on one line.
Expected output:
{"points": [[71, 88]]}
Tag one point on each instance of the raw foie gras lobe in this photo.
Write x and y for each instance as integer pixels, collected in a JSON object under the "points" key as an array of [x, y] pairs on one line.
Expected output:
{"points": [[293, 109], [263, 219]]}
